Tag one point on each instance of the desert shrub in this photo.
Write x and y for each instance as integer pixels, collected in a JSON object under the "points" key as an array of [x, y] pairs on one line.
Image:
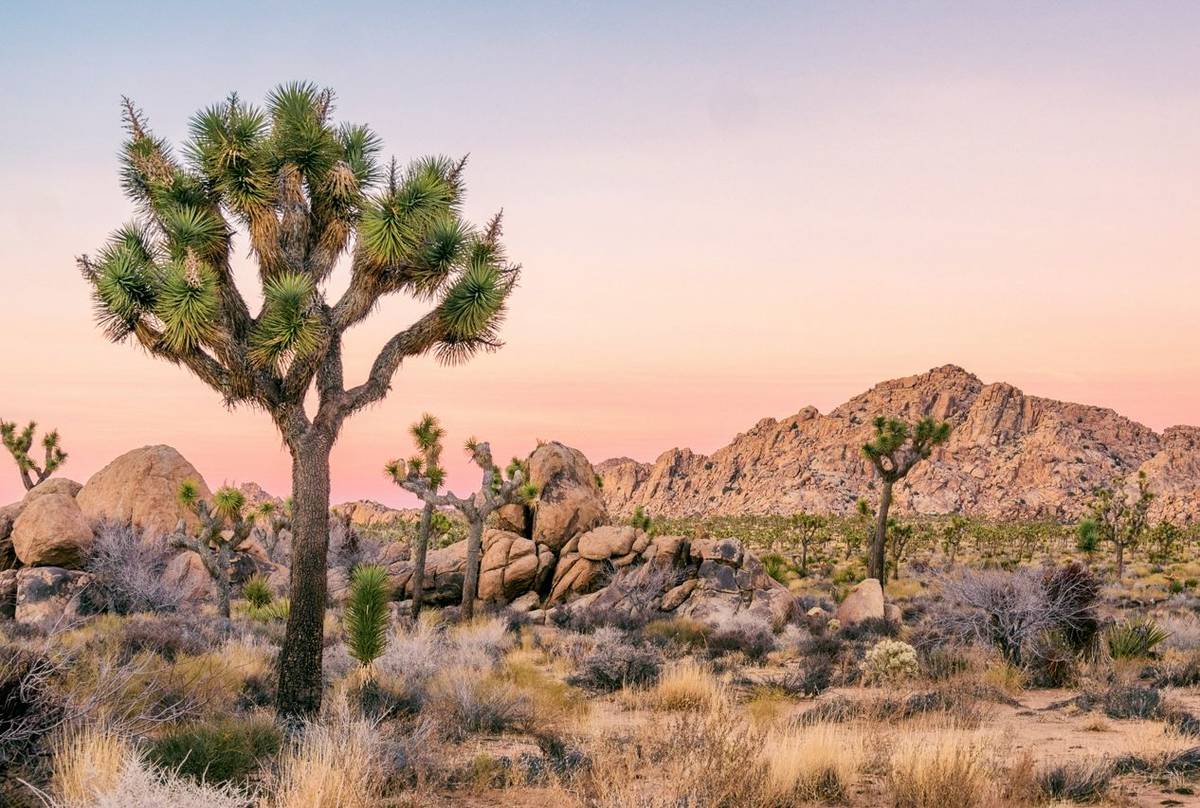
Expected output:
{"points": [[869, 628], [1183, 632], [817, 763], [1133, 639], [942, 662], [275, 611], [139, 785], [1051, 663], [1125, 701], [554, 702], [219, 750], [257, 591], [948, 768], [1011, 612], [482, 641], [888, 662], [29, 709], [681, 631], [746, 633], [616, 664], [688, 685], [1177, 669], [776, 566], [337, 762], [1078, 781], [127, 572], [812, 678], [366, 617], [172, 635], [463, 704]]}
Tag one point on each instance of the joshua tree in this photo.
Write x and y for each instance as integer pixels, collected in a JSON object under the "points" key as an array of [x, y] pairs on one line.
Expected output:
{"points": [[640, 519], [19, 444], [952, 535], [498, 489], [305, 191], [863, 514], [271, 519], [900, 535], [805, 530], [895, 449], [1116, 518], [428, 434], [223, 528]]}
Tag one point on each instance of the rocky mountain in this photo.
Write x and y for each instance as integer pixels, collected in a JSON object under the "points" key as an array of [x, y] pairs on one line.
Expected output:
{"points": [[1010, 455]]}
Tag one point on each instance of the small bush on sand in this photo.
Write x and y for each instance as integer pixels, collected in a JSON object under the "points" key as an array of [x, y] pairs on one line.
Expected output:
{"points": [[337, 762], [465, 703], [688, 685], [127, 573], [219, 750], [889, 662], [1078, 782], [616, 664], [818, 763], [750, 635], [681, 631]]}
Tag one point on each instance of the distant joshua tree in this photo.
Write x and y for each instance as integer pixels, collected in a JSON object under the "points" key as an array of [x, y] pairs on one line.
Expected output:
{"points": [[900, 535], [952, 536], [894, 450], [223, 528], [805, 530], [1116, 518], [270, 521], [306, 191], [498, 489], [427, 434], [19, 444]]}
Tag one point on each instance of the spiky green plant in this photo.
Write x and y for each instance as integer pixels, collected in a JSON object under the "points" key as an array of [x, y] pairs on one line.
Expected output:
{"points": [[223, 529], [19, 445], [303, 191], [1133, 639], [257, 591], [893, 451], [499, 487], [427, 434], [640, 518], [366, 618]]}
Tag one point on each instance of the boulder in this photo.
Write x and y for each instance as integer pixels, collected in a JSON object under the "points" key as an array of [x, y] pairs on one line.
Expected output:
{"points": [[675, 596], [444, 573], [892, 613], [569, 500], [140, 487], [525, 603], [55, 485], [864, 602], [575, 575], [8, 594], [608, 541], [51, 532], [8, 515], [50, 596], [186, 572], [509, 567], [513, 518]]}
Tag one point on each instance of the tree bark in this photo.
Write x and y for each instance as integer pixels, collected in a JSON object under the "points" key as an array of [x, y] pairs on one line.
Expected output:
{"points": [[419, 553], [471, 576], [1120, 560], [299, 691], [877, 568]]}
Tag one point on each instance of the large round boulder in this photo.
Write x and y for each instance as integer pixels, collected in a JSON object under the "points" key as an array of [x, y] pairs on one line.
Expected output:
{"points": [[51, 532], [140, 487], [569, 501], [55, 485], [864, 602], [510, 566]]}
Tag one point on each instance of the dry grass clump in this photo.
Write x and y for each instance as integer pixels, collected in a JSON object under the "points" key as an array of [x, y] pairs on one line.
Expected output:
{"points": [[336, 762], [688, 685], [942, 768], [87, 762], [818, 763], [464, 702]]}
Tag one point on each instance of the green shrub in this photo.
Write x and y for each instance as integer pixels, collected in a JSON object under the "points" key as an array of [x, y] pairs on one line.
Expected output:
{"points": [[366, 618], [776, 566], [220, 750], [256, 591], [1131, 639], [890, 661], [275, 611]]}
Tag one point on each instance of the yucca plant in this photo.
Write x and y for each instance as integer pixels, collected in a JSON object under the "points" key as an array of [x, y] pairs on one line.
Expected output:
{"points": [[499, 488], [19, 445], [893, 450], [366, 618], [427, 434], [271, 519], [223, 529], [257, 591], [1133, 639], [303, 191]]}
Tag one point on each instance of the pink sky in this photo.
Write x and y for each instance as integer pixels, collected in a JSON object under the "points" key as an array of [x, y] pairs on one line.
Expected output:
{"points": [[737, 220]]}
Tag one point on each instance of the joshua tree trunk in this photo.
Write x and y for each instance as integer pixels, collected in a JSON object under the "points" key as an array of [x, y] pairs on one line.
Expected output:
{"points": [[878, 567], [1120, 560], [471, 577], [419, 553], [300, 657]]}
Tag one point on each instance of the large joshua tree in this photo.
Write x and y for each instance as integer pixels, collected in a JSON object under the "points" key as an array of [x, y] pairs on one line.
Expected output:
{"points": [[499, 488], [307, 192], [894, 449]]}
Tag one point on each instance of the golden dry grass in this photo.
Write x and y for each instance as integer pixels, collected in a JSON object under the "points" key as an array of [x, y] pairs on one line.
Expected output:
{"points": [[334, 764], [821, 762], [944, 767], [688, 685], [87, 762]]}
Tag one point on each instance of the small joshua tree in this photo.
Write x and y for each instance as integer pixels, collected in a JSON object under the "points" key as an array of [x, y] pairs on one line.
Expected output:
{"points": [[366, 619], [427, 434], [270, 521], [640, 519], [863, 514], [900, 535], [223, 528], [1116, 518], [19, 444], [805, 530], [952, 536], [498, 489], [894, 450]]}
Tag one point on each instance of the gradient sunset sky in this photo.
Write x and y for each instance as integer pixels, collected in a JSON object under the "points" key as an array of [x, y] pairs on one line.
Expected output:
{"points": [[724, 211]]}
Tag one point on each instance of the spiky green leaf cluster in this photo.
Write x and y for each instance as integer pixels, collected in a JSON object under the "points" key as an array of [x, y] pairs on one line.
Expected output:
{"points": [[366, 616], [290, 324], [228, 502], [186, 304], [188, 494]]}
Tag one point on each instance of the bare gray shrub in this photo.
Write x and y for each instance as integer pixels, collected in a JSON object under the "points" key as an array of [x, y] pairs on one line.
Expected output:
{"points": [[127, 572]]}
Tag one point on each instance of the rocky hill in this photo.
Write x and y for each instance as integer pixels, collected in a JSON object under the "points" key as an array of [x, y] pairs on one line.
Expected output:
{"points": [[1010, 455]]}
